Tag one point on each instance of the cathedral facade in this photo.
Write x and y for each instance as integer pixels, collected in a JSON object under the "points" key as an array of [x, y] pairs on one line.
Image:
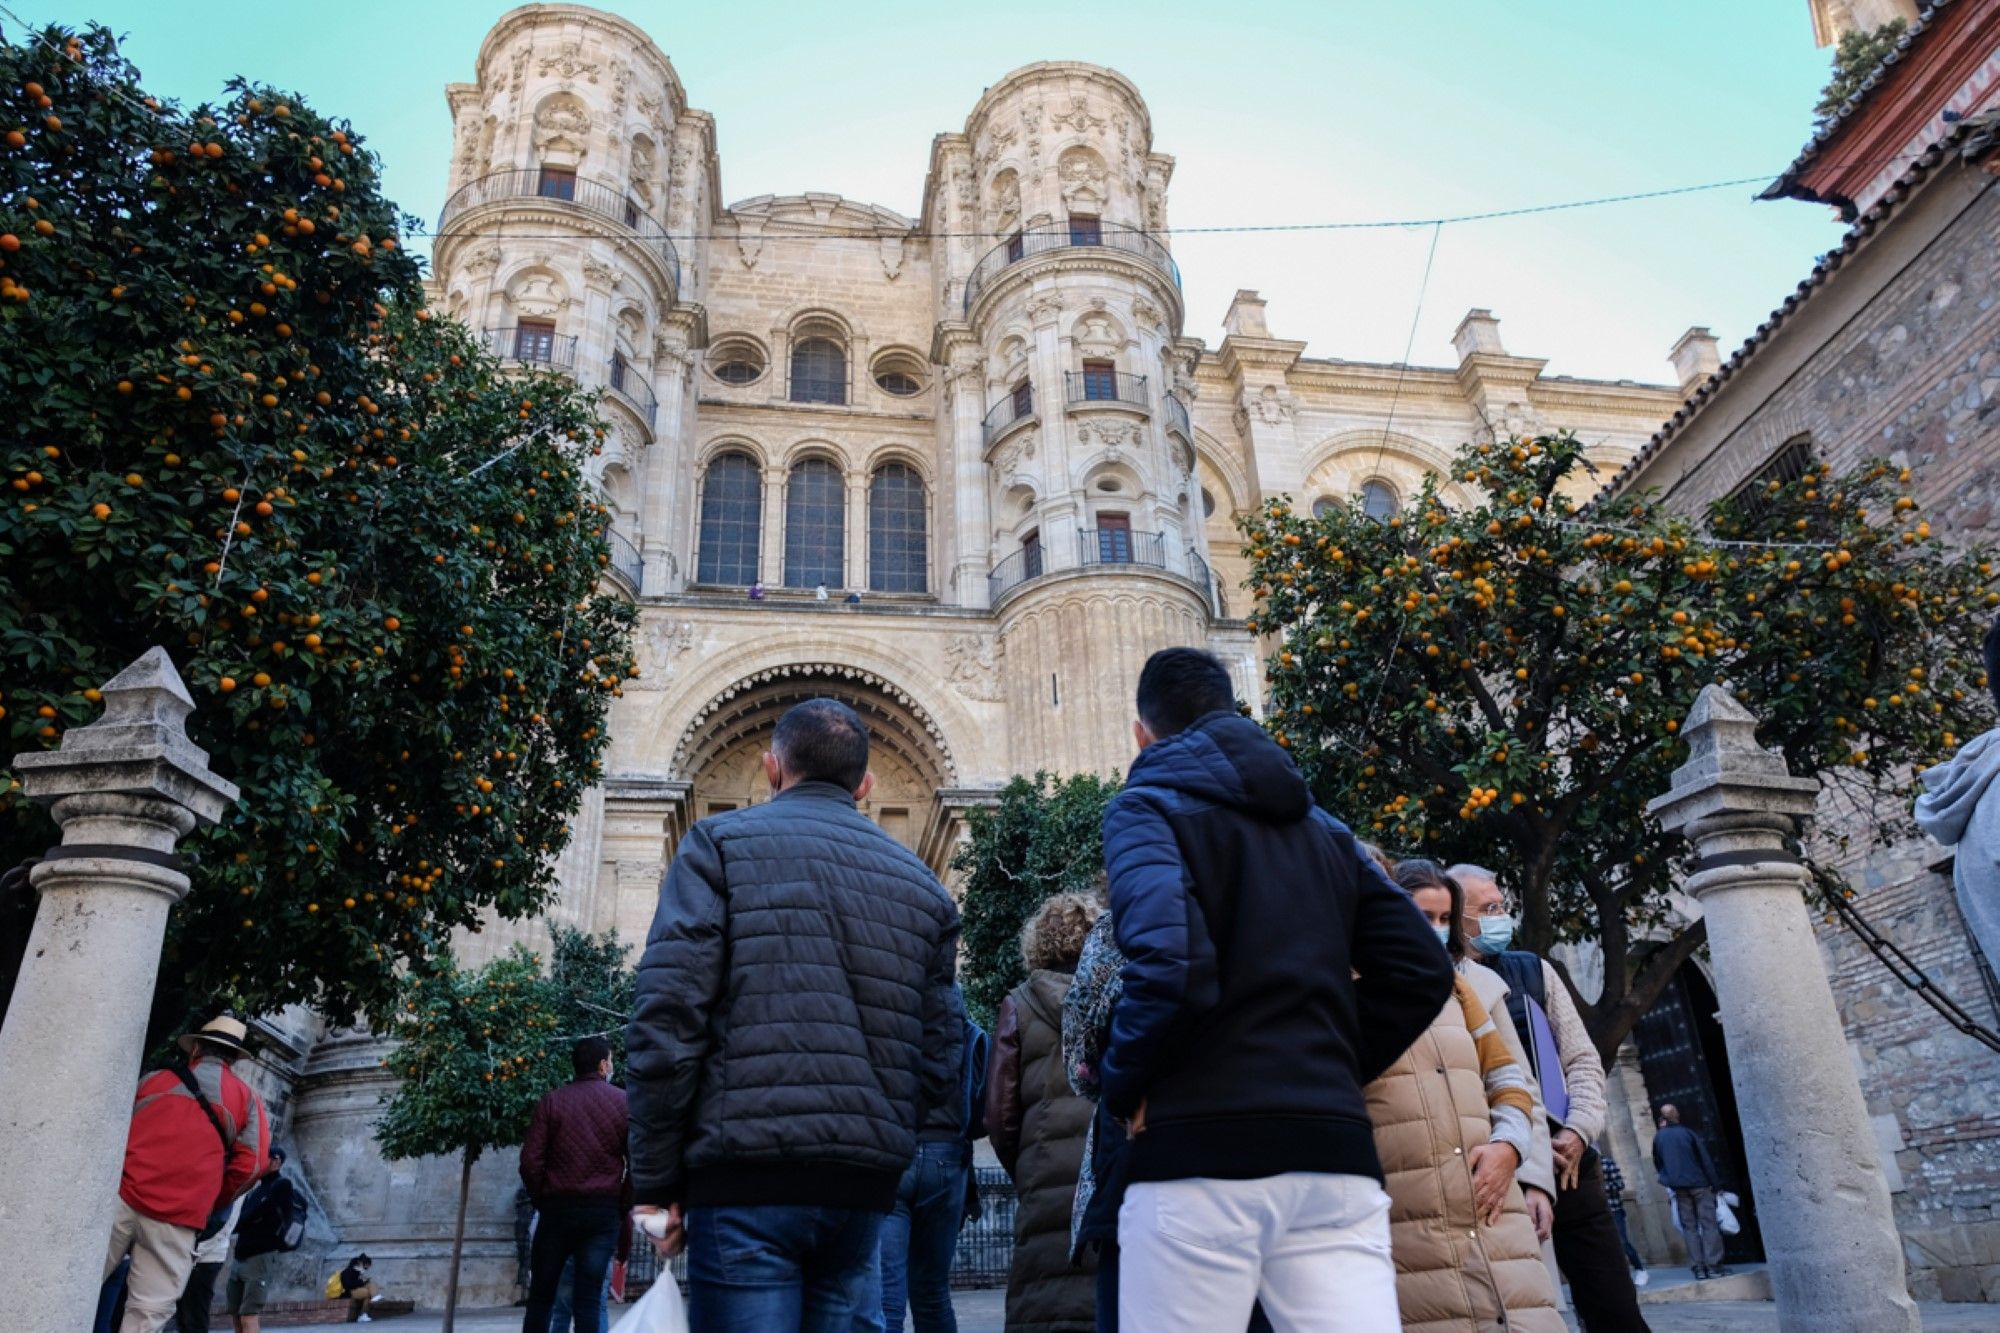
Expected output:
{"points": [[963, 470]]}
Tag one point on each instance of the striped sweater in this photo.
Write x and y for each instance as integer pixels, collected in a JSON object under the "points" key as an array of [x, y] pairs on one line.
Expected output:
{"points": [[1508, 1099]]}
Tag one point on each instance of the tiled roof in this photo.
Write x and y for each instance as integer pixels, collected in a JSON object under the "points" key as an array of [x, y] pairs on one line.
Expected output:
{"points": [[1783, 186], [1971, 139]]}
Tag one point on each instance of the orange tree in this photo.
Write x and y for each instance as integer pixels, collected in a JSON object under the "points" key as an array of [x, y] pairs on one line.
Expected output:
{"points": [[232, 429], [1503, 682]]}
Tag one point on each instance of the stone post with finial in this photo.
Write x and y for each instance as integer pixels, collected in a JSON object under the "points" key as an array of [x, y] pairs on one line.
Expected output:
{"points": [[125, 790], [1836, 1261]]}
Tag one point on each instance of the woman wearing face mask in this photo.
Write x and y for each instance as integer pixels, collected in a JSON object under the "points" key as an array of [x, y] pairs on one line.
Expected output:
{"points": [[1453, 1122]]}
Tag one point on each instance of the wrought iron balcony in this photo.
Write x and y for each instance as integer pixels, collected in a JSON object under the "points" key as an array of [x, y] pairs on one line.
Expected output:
{"points": [[1025, 564], [564, 188], [631, 385], [625, 556], [1177, 417], [1015, 407], [1104, 386], [1121, 546], [532, 345], [1053, 236]]}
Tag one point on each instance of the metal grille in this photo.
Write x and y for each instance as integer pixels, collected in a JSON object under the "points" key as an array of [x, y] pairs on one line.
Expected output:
{"points": [[1786, 466], [986, 1246]]}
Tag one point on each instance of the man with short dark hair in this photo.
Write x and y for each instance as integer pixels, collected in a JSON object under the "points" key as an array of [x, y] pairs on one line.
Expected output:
{"points": [[796, 1015], [1688, 1173], [1271, 972], [260, 1239], [573, 1163]]}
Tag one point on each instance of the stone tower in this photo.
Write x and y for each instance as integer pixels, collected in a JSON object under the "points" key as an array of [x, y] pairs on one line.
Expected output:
{"points": [[1069, 432]]}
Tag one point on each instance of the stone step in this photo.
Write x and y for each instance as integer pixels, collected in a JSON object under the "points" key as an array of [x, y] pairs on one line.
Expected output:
{"points": [[1672, 1286], [298, 1314]]}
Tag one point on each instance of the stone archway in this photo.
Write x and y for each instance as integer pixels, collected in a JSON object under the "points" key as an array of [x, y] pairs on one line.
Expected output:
{"points": [[719, 754]]}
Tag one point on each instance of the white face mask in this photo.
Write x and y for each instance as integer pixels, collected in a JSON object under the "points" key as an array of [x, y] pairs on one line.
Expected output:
{"points": [[1495, 934]]}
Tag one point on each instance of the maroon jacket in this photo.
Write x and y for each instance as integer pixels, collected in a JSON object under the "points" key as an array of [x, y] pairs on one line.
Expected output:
{"points": [[575, 1146]]}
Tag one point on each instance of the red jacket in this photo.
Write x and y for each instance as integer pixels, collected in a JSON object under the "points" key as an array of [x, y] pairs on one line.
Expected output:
{"points": [[575, 1145], [174, 1165]]}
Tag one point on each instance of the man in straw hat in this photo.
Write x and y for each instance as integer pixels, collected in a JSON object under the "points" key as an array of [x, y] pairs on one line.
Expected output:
{"points": [[199, 1137]]}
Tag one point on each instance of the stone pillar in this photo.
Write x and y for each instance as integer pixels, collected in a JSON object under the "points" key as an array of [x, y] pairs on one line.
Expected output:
{"points": [[1822, 1201], [125, 790]]}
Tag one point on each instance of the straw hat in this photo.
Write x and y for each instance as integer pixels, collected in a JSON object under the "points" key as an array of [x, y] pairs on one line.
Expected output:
{"points": [[224, 1033]]}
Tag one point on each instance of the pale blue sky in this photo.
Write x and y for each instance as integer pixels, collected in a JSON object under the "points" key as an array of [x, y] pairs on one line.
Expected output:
{"points": [[1294, 112]]}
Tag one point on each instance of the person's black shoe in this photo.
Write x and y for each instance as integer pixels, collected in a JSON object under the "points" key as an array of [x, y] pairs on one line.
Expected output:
{"points": [[1700, 1273], [1723, 1271]]}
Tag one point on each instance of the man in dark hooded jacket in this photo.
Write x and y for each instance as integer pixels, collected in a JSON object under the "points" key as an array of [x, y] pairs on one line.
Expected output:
{"points": [[1271, 972]]}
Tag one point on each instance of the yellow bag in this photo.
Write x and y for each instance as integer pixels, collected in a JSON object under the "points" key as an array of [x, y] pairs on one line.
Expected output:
{"points": [[333, 1288]]}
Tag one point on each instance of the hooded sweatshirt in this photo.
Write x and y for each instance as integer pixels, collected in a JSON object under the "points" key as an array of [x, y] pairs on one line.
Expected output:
{"points": [[1271, 970], [1961, 809]]}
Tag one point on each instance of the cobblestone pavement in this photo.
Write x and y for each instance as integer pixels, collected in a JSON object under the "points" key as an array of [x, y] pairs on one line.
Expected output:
{"points": [[982, 1312]]}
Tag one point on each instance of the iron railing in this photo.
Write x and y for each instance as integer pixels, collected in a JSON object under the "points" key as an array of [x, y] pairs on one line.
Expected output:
{"points": [[1121, 546], [1030, 562], [532, 346], [624, 555], [630, 384], [1104, 386], [985, 1252], [1204, 579], [562, 187], [1005, 413], [1177, 418], [1062, 236]]}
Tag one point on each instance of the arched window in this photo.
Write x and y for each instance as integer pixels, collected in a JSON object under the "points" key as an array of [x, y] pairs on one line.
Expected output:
{"points": [[819, 371], [815, 525], [1324, 505], [1379, 501], [732, 504], [897, 554]]}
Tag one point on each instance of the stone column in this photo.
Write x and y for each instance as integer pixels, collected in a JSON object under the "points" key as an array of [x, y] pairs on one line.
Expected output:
{"points": [[125, 790], [1822, 1201]]}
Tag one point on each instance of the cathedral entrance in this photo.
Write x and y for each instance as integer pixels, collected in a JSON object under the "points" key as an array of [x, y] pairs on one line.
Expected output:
{"points": [[721, 751]]}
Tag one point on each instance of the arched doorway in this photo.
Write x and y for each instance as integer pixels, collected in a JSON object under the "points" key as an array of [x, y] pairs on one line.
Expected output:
{"points": [[720, 752]]}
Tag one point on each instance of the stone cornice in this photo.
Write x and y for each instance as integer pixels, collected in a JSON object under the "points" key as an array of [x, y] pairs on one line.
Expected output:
{"points": [[529, 210], [1080, 259], [1239, 356]]}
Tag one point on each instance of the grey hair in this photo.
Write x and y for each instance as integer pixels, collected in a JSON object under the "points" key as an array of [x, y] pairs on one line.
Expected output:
{"points": [[1465, 870]]}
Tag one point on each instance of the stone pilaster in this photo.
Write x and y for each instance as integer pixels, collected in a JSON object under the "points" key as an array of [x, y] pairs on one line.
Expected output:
{"points": [[125, 789], [1822, 1202]]}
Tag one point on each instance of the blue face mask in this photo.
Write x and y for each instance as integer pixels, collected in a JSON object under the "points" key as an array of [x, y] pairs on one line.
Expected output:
{"points": [[1444, 935], [1495, 934]]}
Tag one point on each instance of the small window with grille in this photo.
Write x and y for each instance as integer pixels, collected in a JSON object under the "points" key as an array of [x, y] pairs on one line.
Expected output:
{"points": [[1753, 497]]}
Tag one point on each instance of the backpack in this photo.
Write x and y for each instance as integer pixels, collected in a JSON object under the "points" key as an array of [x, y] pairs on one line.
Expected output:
{"points": [[279, 1224], [335, 1288]]}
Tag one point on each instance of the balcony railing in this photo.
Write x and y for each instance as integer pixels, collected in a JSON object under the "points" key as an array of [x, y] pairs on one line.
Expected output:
{"points": [[1104, 386], [592, 196], [1027, 563], [1012, 408], [624, 555], [1177, 418], [1062, 236], [532, 346], [1121, 546], [630, 384]]}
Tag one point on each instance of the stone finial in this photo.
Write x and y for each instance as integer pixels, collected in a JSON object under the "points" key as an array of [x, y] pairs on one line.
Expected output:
{"points": [[1695, 357], [139, 747], [1246, 316], [1726, 771], [1478, 333]]}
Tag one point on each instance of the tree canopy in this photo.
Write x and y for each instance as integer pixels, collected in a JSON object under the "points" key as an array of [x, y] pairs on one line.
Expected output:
{"points": [[234, 430], [1502, 681], [1045, 836]]}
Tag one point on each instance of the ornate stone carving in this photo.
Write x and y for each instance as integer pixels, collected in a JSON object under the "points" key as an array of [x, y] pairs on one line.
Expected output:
{"points": [[1109, 434], [645, 172], [1085, 184], [1007, 196], [567, 61], [1077, 114], [749, 240], [517, 74], [1149, 315], [1045, 307], [1097, 334], [483, 260], [621, 84], [666, 642], [1273, 408], [1010, 462], [599, 274], [891, 254], [1031, 124], [649, 108], [972, 665], [563, 125]]}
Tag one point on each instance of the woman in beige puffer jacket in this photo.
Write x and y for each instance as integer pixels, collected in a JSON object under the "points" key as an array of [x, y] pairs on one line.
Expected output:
{"points": [[1452, 1094]]}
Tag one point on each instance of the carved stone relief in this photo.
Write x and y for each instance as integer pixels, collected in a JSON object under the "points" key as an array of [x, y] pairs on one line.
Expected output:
{"points": [[567, 61], [1097, 334], [1273, 408], [1108, 434], [1084, 182], [562, 125], [666, 642], [972, 664], [1010, 463], [1077, 114], [1045, 307], [600, 275], [645, 172]]}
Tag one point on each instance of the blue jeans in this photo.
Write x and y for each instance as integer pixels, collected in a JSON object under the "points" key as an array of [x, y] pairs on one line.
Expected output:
{"points": [[776, 1268], [562, 1316], [920, 1237], [574, 1238]]}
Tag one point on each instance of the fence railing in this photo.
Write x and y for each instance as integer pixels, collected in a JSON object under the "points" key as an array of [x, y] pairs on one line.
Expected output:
{"points": [[1030, 562], [630, 383], [1121, 546], [1104, 386], [1066, 236], [1177, 418], [624, 555], [986, 1244], [563, 187], [532, 346], [1003, 414]]}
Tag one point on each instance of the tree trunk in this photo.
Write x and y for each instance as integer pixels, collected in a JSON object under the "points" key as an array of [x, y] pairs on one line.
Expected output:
{"points": [[457, 1244]]}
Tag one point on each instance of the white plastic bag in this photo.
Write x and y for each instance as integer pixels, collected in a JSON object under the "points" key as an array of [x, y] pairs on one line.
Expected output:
{"points": [[659, 1311], [1725, 1213]]}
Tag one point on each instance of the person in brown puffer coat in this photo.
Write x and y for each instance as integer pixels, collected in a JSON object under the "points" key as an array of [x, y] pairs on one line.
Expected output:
{"points": [[1449, 1116], [1036, 1124]]}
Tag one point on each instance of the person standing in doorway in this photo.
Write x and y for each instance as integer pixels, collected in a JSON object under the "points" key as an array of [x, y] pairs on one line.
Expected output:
{"points": [[1269, 976], [1686, 1169], [573, 1163], [1570, 1075], [796, 1014]]}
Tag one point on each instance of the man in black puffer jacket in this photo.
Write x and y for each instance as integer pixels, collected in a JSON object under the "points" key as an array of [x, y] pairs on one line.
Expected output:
{"points": [[1271, 971], [796, 1013]]}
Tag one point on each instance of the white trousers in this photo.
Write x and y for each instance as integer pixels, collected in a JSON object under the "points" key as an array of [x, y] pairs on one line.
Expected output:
{"points": [[1195, 1255]]}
